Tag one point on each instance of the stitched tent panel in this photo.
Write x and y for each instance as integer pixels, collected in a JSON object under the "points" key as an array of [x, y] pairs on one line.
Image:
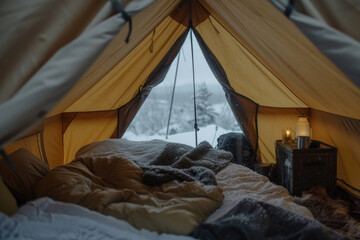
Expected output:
{"points": [[109, 92], [143, 26], [246, 74], [344, 134], [288, 54], [86, 128]]}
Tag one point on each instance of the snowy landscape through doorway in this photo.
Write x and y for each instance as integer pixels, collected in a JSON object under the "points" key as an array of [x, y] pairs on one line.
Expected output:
{"points": [[214, 115]]}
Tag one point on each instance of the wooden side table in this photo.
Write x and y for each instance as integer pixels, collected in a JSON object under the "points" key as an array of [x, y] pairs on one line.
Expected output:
{"points": [[300, 169]]}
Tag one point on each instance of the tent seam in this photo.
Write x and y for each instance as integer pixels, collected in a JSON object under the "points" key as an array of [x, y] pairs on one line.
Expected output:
{"points": [[114, 53], [256, 58]]}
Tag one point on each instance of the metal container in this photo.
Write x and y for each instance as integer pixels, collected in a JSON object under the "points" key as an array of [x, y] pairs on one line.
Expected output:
{"points": [[303, 142]]}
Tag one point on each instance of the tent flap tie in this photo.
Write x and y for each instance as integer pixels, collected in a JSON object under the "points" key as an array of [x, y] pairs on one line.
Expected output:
{"points": [[289, 8], [124, 15], [214, 26], [152, 42]]}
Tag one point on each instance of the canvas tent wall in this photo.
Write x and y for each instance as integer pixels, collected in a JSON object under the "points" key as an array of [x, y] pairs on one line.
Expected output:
{"points": [[271, 72]]}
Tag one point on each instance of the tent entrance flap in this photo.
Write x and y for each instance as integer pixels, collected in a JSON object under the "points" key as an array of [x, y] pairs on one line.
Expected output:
{"points": [[244, 110], [127, 112]]}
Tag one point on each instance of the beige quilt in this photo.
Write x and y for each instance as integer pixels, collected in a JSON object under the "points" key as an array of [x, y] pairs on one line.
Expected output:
{"points": [[112, 185]]}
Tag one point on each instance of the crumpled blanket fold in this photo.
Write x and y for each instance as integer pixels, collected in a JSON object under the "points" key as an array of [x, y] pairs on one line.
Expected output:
{"points": [[184, 163], [164, 161], [105, 178]]}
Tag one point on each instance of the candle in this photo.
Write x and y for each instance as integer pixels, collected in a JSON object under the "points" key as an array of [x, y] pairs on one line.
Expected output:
{"points": [[287, 134]]}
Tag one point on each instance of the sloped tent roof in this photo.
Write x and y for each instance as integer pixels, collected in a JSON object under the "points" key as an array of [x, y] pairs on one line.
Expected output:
{"points": [[268, 68]]}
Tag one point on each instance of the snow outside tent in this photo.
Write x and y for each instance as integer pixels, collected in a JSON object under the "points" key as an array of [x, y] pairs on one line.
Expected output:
{"points": [[69, 78]]}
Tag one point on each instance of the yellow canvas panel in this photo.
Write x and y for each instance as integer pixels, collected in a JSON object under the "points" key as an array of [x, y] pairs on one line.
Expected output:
{"points": [[271, 123], [143, 24], [31, 143], [122, 83], [342, 133], [53, 141], [281, 47], [86, 128], [246, 74]]}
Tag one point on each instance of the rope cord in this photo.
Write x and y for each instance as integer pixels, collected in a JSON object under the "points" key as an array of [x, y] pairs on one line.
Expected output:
{"points": [[172, 96], [216, 129], [152, 42], [125, 16], [193, 74]]}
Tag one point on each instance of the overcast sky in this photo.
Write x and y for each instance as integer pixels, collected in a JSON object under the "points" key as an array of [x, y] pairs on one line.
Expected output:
{"points": [[202, 70]]}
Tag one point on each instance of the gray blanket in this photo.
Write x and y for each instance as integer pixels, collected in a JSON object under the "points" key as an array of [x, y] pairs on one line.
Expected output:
{"points": [[185, 163], [163, 161], [251, 219]]}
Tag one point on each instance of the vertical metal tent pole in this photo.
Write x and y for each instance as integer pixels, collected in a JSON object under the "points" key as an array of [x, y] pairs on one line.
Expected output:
{"points": [[172, 96], [193, 74]]}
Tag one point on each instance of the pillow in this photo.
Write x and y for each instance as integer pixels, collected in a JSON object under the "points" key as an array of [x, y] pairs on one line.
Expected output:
{"points": [[7, 201], [28, 171]]}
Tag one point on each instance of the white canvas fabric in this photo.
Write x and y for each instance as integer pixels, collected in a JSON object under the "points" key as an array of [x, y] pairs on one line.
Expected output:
{"points": [[340, 48], [39, 95]]}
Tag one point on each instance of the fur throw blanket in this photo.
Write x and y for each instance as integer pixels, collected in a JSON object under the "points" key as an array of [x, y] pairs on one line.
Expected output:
{"points": [[252, 219], [334, 213], [185, 163]]}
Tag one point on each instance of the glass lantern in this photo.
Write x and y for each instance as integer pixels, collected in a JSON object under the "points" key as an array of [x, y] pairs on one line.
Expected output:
{"points": [[302, 132], [287, 135]]}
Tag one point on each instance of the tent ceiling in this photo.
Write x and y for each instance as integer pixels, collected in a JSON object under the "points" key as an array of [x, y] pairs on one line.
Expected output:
{"points": [[246, 74], [262, 52], [143, 25], [110, 93], [280, 46]]}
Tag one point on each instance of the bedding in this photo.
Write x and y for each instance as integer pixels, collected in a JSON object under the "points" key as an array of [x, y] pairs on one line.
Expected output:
{"points": [[252, 219], [336, 213], [239, 182], [28, 171], [108, 177], [107, 180], [163, 161], [48, 219]]}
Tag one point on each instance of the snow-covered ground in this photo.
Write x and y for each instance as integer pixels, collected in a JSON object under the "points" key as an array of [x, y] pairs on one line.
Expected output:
{"points": [[208, 133]]}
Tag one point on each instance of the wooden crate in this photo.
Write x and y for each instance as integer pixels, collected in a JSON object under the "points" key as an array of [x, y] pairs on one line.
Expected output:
{"points": [[300, 169]]}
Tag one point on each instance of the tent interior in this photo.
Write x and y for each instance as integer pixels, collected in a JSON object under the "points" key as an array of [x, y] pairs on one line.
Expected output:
{"points": [[77, 72]]}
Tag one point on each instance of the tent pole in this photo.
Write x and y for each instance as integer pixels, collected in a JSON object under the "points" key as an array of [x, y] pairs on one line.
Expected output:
{"points": [[172, 96], [193, 74]]}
